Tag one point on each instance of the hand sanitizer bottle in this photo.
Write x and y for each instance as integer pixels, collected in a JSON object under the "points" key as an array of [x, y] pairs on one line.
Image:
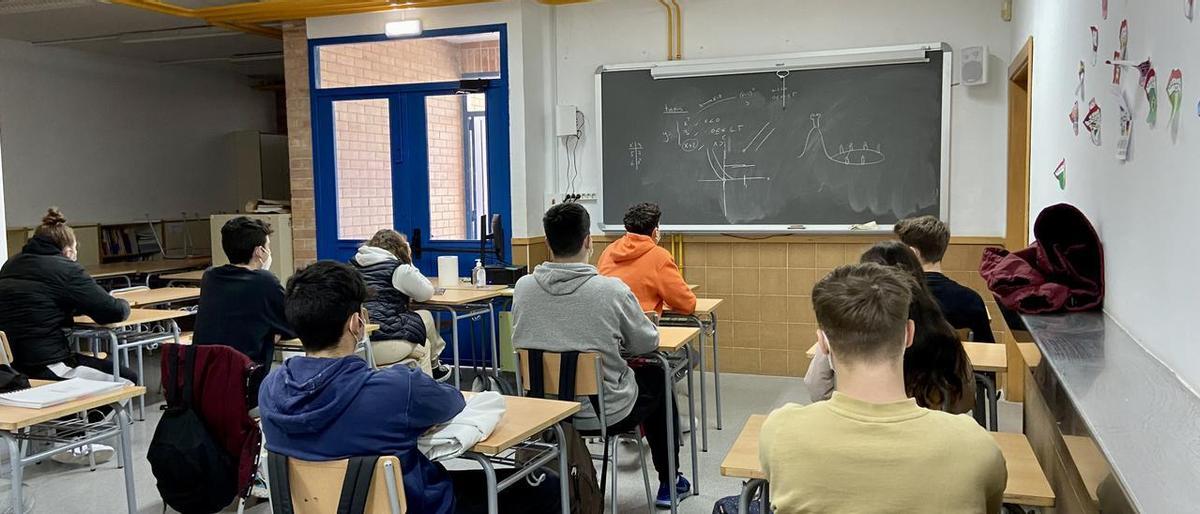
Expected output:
{"points": [[479, 275]]}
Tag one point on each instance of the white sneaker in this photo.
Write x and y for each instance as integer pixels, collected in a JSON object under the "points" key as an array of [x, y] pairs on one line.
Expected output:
{"points": [[79, 456], [260, 489]]}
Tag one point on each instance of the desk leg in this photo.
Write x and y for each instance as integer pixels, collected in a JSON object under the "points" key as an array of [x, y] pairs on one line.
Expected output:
{"points": [[703, 388], [692, 422], [115, 344], [671, 443], [457, 363], [716, 365], [15, 456], [123, 421], [495, 342], [989, 391], [489, 472], [563, 473]]}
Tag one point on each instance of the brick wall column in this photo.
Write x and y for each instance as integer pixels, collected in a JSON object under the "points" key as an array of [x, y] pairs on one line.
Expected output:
{"points": [[300, 153]]}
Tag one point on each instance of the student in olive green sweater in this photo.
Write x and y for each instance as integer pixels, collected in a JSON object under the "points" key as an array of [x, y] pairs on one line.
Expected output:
{"points": [[870, 448]]}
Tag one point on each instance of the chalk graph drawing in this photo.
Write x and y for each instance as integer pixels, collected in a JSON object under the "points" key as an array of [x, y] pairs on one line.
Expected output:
{"points": [[720, 165], [848, 155]]}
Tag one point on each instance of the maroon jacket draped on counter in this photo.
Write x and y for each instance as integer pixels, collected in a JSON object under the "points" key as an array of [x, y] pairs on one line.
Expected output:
{"points": [[1063, 270]]}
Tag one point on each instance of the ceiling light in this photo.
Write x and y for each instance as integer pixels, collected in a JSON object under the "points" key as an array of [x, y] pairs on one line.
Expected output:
{"points": [[402, 28]]}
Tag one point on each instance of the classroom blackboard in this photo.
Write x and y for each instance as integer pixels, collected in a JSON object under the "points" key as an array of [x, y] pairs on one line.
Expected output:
{"points": [[815, 147]]}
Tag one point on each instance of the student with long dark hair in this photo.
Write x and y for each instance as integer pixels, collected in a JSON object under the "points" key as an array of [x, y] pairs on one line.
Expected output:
{"points": [[937, 371]]}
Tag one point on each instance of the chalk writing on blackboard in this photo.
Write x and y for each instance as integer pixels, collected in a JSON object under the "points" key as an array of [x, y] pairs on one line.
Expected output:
{"points": [[848, 155]]}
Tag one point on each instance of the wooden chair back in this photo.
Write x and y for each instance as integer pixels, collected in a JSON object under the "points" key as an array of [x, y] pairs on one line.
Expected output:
{"points": [[587, 375], [7, 358], [317, 486]]}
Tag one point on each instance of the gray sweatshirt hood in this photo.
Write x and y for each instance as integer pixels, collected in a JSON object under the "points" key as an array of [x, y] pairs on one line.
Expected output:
{"points": [[560, 279]]}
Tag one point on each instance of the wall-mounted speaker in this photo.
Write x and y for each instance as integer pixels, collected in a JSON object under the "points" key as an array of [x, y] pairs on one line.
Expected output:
{"points": [[973, 68]]}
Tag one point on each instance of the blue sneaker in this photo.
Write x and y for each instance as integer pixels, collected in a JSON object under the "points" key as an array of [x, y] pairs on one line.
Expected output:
{"points": [[683, 489]]}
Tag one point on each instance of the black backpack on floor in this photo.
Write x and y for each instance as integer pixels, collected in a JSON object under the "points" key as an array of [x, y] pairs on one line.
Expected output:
{"points": [[195, 474]]}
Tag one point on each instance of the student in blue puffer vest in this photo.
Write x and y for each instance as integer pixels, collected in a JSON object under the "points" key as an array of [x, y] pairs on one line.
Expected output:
{"points": [[405, 335]]}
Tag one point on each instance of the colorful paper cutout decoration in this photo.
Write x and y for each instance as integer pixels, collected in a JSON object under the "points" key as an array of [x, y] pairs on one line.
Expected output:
{"points": [[1148, 80], [1123, 38], [1116, 68], [1079, 87], [1095, 44], [1175, 92], [1074, 117], [1125, 125], [1189, 7], [1060, 173], [1091, 121], [1104, 9]]}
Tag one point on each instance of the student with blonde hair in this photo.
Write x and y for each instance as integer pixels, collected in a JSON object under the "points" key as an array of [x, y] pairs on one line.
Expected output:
{"points": [[405, 335]]}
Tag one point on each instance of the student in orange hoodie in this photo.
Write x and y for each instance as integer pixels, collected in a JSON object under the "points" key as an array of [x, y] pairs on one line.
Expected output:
{"points": [[648, 269]]}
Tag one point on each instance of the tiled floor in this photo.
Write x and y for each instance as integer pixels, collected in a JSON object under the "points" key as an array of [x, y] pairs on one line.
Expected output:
{"points": [[62, 489]]}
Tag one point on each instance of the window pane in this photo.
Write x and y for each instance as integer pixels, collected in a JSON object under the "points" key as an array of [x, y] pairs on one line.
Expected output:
{"points": [[409, 61], [457, 167], [363, 162]]}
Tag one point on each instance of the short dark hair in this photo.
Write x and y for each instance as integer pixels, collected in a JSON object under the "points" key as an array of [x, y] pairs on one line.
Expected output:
{"points": [[241, 235], [318, 301], [567, 226], [642, 218], [863, 310], [929, 235]]}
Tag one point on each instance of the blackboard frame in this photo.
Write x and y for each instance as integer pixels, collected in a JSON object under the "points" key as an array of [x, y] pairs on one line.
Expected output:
{"points": [[823, 59]]}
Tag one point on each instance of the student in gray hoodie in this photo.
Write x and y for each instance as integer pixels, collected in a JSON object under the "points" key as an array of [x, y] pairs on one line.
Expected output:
{"points": [[565, 305]]}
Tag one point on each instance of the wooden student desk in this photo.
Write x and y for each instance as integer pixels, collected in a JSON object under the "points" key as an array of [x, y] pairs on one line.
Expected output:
{"points": [[186, 276], [678, 340], [294, 345], [524, 418], [1027, 484], [68, 432], [704, 318], [989, 357], [163, 295], [129, 334], [462, 304]]}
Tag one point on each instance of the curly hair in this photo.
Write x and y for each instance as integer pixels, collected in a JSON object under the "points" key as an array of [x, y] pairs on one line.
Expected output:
{"points": [[642, 218], [393, 242]]}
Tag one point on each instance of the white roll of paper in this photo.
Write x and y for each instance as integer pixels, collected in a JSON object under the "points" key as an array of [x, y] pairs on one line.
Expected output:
{"points": [[447, 270]]}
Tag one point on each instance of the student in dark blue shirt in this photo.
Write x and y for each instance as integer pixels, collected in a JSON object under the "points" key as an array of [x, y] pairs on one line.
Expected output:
{"points": [[929, 237], [241, 303]]}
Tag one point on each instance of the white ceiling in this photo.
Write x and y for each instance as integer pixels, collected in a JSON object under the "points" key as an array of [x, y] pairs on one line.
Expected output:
{"points": [[94, 26]]}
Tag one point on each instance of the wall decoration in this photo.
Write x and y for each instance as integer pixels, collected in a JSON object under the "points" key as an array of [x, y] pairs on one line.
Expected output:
{"points": [[1125, 125], [1148, 80], [1091, 121], [1189, 7], [1074, 117], [1119, 55], [1104, 9], [1095, 44], [1175, 93], [1116, 68], [1060, 173], [1079, 87]]}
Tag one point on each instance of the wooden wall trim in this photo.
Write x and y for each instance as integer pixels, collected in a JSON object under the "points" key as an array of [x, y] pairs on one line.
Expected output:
{"points": [[528, 240], [794, 238]]}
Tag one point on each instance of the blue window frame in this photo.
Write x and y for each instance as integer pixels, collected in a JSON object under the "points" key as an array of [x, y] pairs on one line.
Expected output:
{"points": [[409, 155]]}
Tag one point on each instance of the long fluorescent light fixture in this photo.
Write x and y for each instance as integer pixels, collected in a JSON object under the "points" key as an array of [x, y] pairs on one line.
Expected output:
{"points": [[402, 28], [807, 61]]}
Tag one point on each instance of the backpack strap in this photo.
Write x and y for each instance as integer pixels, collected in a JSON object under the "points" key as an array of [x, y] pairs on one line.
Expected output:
{"points": [[357, 485], [280, 483], [189, 373], [171, 368], [567, 364], [537, 380]]}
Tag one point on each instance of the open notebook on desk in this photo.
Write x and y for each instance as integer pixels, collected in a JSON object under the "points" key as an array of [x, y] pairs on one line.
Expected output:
{"points": [[58, 392]]}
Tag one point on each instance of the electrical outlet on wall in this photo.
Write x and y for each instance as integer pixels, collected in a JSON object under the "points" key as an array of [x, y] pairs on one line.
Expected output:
{"points": [[553, 199]]}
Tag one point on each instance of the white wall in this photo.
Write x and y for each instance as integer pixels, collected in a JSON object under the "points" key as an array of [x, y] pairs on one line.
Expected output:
{"points": [[1142, 208], [622, 31], [109, 139]]}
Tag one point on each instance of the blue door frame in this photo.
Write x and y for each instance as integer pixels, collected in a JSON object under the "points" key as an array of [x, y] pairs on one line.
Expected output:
{"points": [[409, 156]]}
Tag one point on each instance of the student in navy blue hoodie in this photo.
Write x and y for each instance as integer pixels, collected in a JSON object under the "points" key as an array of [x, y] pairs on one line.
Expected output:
{"points": [[329, 405]]}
